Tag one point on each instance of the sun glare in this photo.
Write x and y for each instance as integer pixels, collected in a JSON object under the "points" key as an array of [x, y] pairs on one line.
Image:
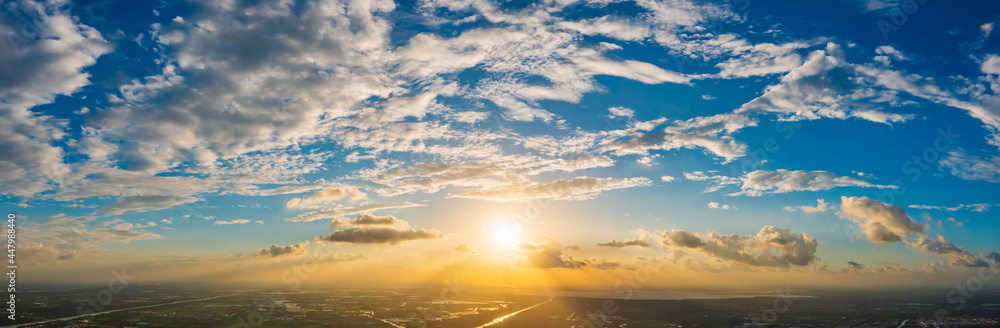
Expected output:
{"points": [[506, 235]]}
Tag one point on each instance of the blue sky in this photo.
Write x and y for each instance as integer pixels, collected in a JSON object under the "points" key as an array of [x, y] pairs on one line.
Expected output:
{"points": [[844, 139]]}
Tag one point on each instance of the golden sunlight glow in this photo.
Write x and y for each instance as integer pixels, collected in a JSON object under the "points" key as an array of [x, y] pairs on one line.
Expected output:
{"points": [[506, 235]]}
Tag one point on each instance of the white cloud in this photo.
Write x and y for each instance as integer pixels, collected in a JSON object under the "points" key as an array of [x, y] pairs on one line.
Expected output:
{"points": [[266, 92], [580, 188], [771, 246], [62, 237], [44, 54], [980, 207], [648, 160], [145, 203], [618, 29], [873, 5], [469, 116], [972, 167], [821, 206], [234, 221], [881, 223], [715, 205], [626, 243], [887, 53], [956, 256], [700, 132], [620, 112], [762, 59], [991, 65], [327, 195], [347, 211], [762, 182]]}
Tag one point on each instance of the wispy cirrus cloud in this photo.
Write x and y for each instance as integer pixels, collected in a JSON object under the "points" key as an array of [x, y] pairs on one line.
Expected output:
{"points": [[347, 211], [762, 182], [576, 189]]}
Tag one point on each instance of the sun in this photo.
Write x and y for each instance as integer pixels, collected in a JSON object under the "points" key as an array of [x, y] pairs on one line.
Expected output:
{"points": [[506, 235]]}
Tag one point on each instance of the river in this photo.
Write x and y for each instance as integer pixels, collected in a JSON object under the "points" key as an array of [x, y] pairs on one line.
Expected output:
{"points": [[501, 319]]}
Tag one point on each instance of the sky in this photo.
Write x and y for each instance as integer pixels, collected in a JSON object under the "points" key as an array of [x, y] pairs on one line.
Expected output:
{"points": [[535, 144]]}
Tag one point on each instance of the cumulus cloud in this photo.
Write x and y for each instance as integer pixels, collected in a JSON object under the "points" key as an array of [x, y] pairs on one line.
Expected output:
{"points": [[763, 182], [234, 221], [325, 196], [549, 254], [44, 55], [580, 188], [775, 247], [956, 256], [276, 251], [620, 112], [887, 53], [884, 223], [368, 219], [821, 206], [625, 243], [880, 222], [303, 55], [464, 249], [681, 238], [380, 235], [995, 257], [715, 205]]}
